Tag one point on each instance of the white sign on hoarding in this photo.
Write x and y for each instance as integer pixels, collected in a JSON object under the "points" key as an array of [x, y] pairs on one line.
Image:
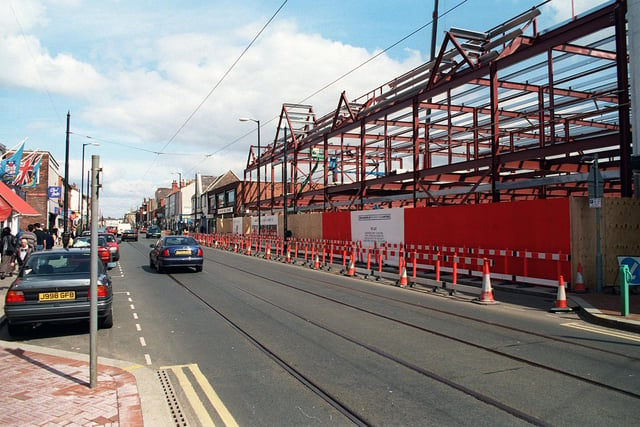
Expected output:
{"points": [[237, 225], [377, 226]]}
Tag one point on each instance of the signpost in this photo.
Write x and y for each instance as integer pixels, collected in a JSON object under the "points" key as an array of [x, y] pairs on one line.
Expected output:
{"points": [[596, 191]]}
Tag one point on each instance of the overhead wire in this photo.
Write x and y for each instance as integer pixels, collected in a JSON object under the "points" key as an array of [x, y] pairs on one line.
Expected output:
{"points": [[224, 76], [351, 71]]}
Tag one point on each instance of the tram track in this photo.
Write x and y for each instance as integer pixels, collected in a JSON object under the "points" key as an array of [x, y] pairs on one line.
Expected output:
{"points": [[440, 334], [351, 413]]}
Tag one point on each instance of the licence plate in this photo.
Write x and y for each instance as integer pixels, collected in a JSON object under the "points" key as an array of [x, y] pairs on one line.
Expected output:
{"points": [[56, 296], [183, 252]]}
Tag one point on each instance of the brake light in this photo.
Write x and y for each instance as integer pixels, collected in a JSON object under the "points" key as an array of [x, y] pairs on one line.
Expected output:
{"points": [[165, 252], [102, 292], [14, 296], [199, 252]]}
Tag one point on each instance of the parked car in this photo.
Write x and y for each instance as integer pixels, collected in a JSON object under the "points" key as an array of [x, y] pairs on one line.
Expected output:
{"points": [[104, 253], [112, 229], [175, 251], [131, 234], [112, 243], [53, 286], [153, 231]]}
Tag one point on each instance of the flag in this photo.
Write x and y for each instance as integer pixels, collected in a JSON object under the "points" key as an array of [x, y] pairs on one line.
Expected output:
{"points": [[9, 166], [29, 171]]}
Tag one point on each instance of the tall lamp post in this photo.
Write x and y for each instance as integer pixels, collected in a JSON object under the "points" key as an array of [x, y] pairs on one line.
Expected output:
{"points": [[247, 119], [179, 200], [95, 144]]}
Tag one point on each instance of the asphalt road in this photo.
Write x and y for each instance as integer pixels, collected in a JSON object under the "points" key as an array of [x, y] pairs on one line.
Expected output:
{"points": [[254, 342]]}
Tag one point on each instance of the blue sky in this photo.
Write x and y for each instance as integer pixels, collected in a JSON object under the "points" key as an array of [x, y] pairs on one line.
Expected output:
{"points": [[144, 79]]}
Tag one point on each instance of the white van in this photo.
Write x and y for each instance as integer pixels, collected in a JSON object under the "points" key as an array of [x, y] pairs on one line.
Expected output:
{"points": [[123, 226]]}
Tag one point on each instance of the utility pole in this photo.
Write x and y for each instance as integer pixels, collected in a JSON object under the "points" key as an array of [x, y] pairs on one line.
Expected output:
{"points": [[65, 207], [93, 283]]}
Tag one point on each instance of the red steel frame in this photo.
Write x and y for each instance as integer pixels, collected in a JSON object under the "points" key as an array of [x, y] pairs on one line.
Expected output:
{"points": [[507, 114]]}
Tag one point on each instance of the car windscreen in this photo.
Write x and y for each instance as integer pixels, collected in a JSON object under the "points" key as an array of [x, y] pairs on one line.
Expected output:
{"points": [[44, 264]]}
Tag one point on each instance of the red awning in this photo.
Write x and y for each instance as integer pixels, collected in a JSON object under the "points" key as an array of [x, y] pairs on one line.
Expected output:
{"points": [[10, 201]]}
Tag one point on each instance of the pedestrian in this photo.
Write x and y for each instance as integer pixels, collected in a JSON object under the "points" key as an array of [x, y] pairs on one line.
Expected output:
{"points": [[48, 240], [7, 249], [54, 234], [30, 236], [21, 253], [39, 236]]}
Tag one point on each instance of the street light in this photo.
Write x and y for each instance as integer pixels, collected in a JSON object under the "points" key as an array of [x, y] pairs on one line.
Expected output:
{"points": [[179, 200], [82, 184], [247, 119]]}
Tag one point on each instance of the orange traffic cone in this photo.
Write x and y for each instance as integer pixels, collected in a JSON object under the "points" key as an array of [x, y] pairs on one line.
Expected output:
{"points": [[316, 263], [403, 282], [561, 299], [249, 247], [579, 285], [288, 254], [268, 254], [486, 295], [352, 267]]}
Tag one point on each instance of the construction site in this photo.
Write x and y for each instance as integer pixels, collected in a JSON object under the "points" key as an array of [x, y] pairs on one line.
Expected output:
{"points": [[514, 139]]}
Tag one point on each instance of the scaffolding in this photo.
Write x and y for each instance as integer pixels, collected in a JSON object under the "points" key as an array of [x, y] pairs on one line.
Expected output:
{"points": [[509, 114]]}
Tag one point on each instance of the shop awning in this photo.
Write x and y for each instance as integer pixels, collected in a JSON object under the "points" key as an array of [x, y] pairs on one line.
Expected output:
{"points": [[10, 202]]}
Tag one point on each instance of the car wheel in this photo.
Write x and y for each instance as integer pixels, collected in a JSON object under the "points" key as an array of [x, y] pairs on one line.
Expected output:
{"points": [[107, 321], [198, 268]]}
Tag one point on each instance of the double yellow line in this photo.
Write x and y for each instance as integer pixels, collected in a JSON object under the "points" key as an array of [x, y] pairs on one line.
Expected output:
{"points": [[195, 401], [603, 331]]}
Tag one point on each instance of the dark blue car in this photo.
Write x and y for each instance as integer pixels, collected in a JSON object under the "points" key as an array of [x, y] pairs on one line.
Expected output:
{"points": [[175, 251]]}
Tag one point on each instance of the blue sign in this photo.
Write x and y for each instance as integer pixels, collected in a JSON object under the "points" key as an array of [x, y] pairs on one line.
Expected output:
{"points": [[55, 192], [634, 268]]}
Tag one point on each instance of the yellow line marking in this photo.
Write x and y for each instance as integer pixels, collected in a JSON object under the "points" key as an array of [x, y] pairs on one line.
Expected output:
{"points": [[132, 367], [192, 397], [207, 389], [222, 410], [603, 331]]}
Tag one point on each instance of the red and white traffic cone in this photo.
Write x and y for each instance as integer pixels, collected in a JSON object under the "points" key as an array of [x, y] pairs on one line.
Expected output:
{"points": [[316, 263], [561, 299], [351, 271], [268, 253], [486, 295], [403, 282], [579, 285]]}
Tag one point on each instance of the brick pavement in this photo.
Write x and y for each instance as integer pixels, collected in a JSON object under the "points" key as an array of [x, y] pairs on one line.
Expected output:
{"points": [[45, 390]]}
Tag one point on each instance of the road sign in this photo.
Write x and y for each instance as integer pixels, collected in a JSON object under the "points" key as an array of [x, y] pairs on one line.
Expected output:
{"points": [[633, 262], [54, 192], [596, 183]]}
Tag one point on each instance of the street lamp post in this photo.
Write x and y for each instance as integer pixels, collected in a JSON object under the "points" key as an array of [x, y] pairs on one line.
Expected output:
{"points": [[285, 184], [82, 184], [179, 200], [247, 119]]}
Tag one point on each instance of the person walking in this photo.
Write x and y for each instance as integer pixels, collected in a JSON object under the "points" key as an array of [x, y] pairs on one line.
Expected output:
{"points": [[21, 253], [7, 248], [40, 236], [48, 240], [29, 235]]}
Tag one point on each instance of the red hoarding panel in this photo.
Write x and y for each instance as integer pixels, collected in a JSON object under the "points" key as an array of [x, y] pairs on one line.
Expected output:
{"points": [[535, 226], [336, 226]]}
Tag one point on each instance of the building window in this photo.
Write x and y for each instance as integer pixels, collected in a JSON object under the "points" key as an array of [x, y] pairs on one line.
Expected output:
{"points": [[231, 197]]}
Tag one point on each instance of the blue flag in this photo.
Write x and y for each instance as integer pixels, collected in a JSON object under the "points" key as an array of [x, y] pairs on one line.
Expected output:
{"points": [[9, 167]]}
